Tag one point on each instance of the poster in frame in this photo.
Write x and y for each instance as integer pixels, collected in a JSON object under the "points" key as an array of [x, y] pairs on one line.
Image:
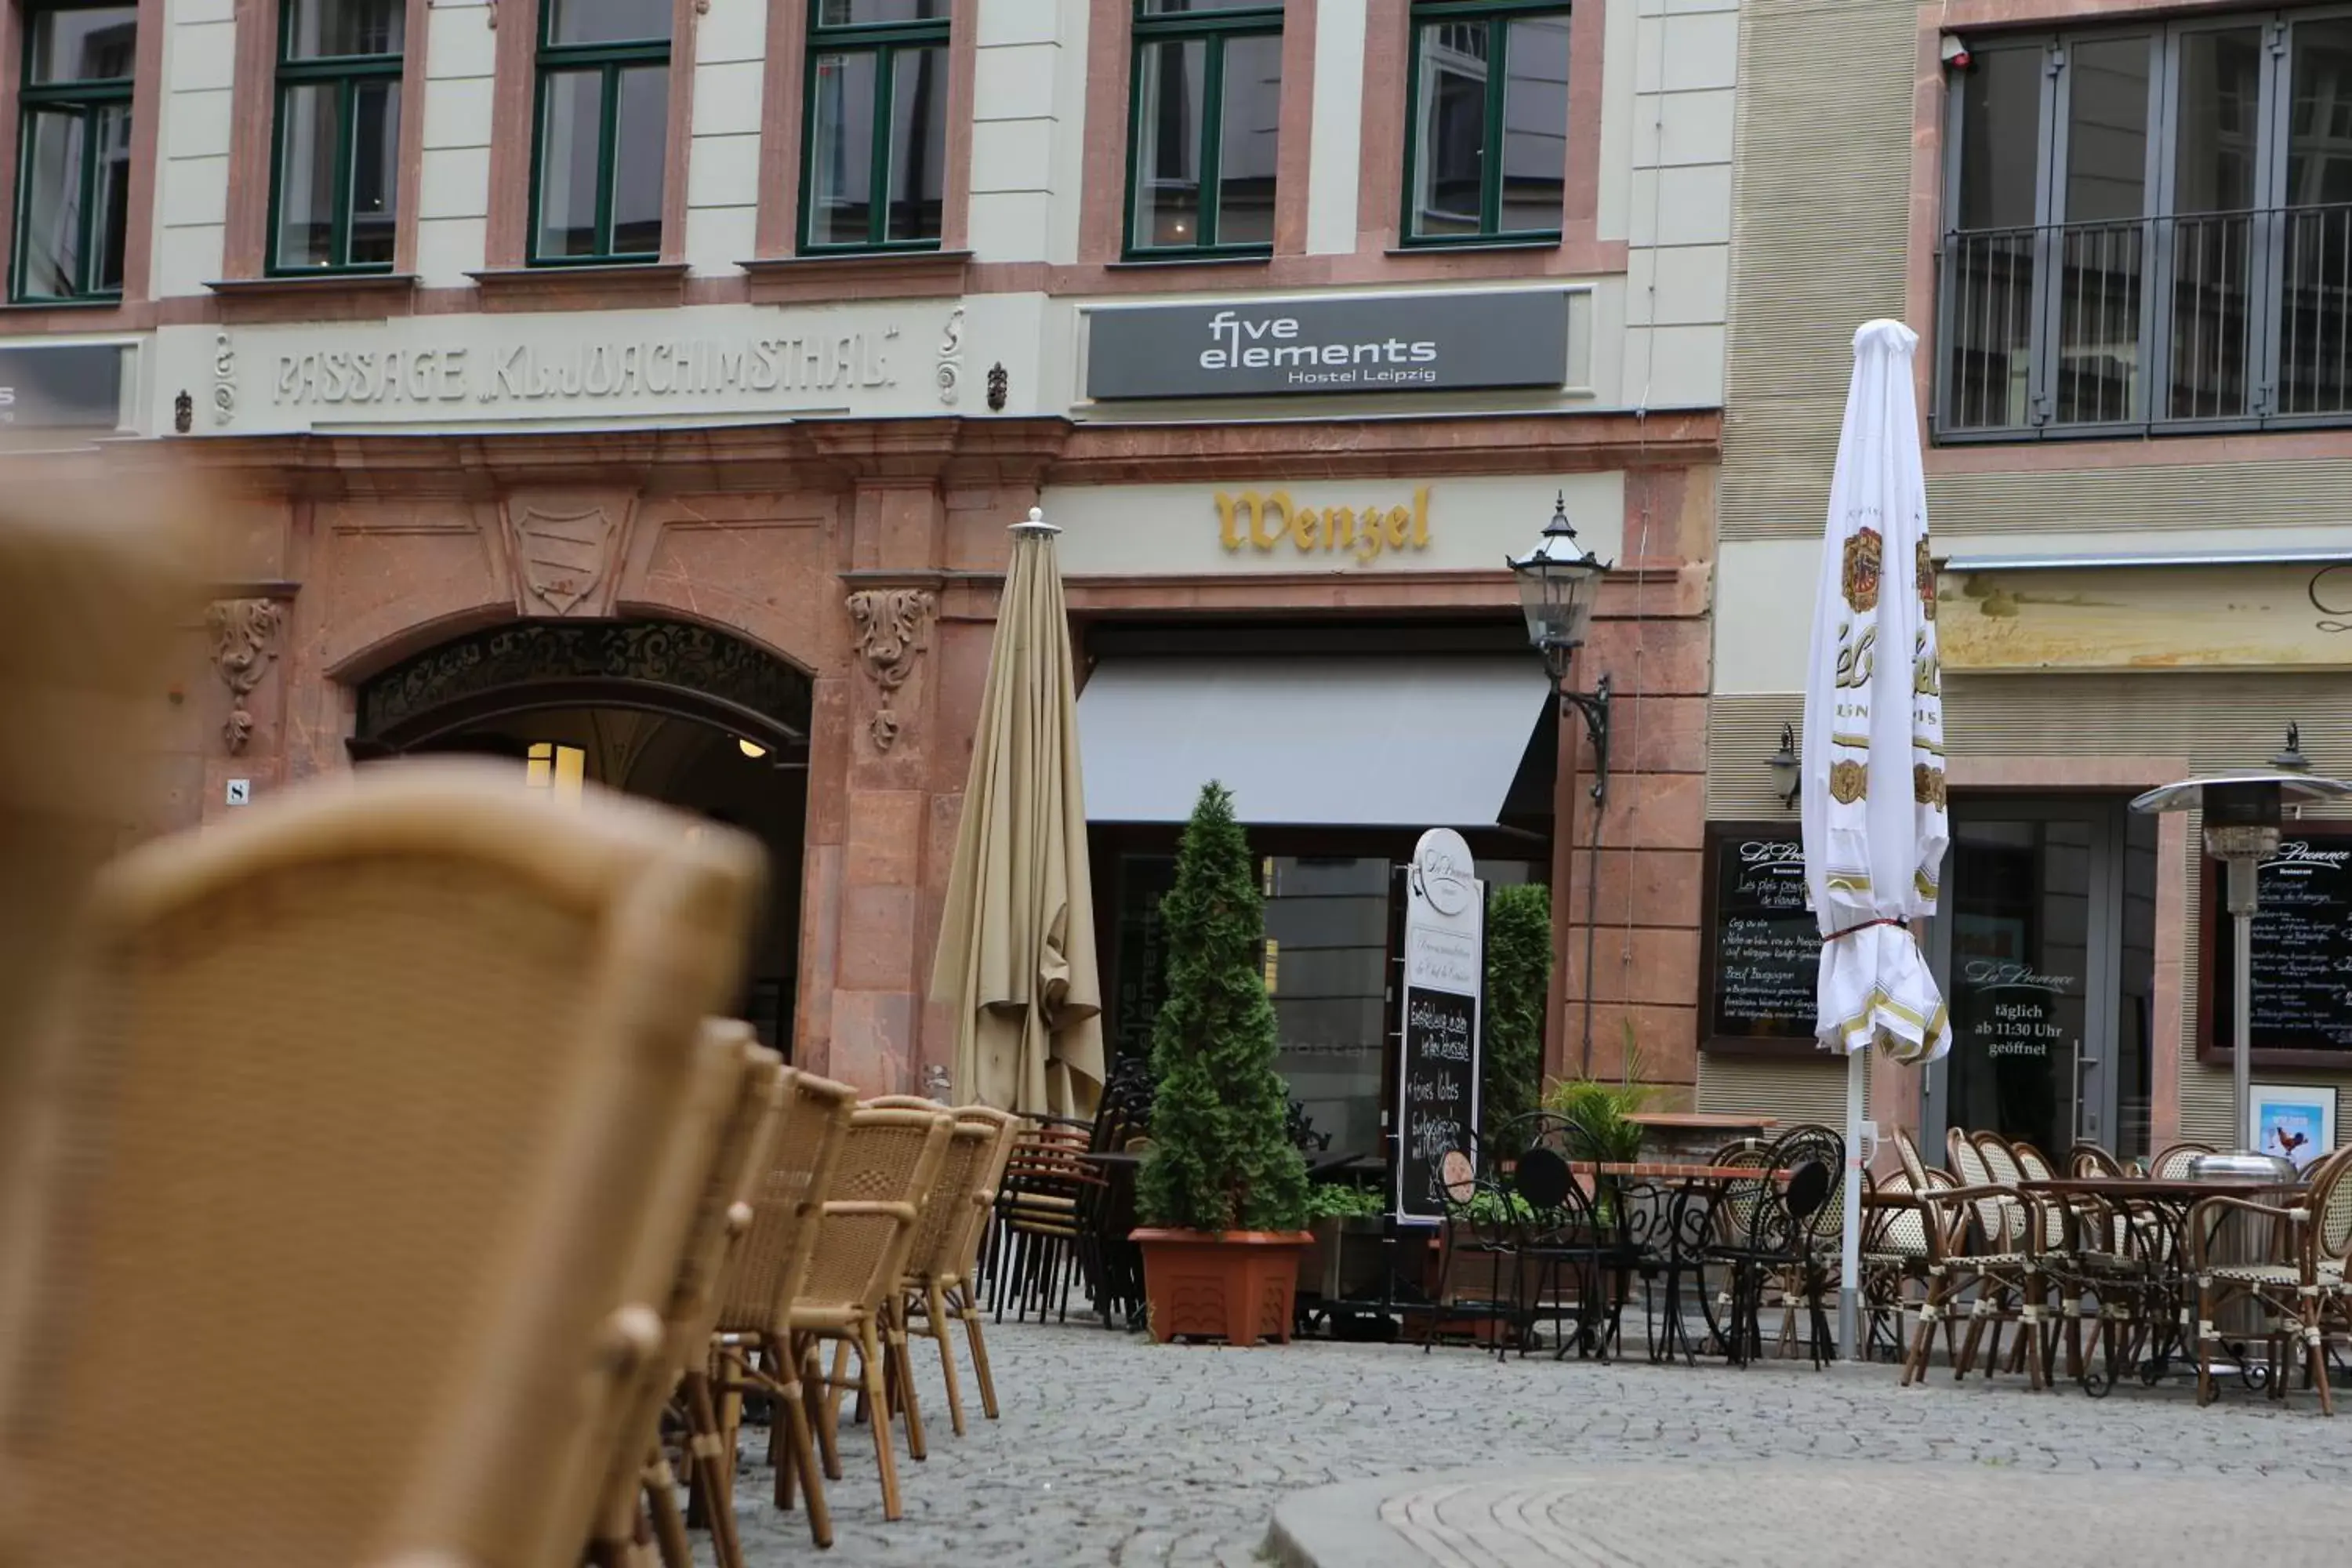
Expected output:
{"points": [[2296, 1120]]}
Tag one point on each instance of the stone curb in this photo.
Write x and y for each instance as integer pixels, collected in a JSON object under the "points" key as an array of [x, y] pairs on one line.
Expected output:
{"points": [[1341, 1527]]}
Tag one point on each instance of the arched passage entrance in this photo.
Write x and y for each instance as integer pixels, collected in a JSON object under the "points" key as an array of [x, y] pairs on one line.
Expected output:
{"points": [[669, 710]]}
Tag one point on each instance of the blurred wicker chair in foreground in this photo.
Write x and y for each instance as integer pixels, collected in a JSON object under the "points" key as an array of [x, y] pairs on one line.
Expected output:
{"points": [[754, 1350], [351, 1257], [719, 1148]]}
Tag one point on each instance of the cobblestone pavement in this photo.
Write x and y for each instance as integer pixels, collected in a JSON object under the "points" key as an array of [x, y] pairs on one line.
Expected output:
{"points": [[1115, 1451]]}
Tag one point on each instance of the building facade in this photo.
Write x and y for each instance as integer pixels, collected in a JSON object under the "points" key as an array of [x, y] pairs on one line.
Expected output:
{"points": [[641, 389], [2118, 230]]}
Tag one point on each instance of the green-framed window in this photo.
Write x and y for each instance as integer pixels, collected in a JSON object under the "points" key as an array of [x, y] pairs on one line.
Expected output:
{"points": [[1205, 111], [877, 125], [334, 199], [1486, 142], [73, 154], [603, 132]]}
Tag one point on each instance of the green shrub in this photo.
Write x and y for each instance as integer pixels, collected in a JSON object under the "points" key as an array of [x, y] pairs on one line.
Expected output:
{"points": [[1597, 1114], [1219, 1157], [1518, 978], [1335, 1200]]}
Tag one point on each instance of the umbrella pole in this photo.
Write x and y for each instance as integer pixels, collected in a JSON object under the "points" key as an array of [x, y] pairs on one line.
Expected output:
{"points": [[1850, 1331]]}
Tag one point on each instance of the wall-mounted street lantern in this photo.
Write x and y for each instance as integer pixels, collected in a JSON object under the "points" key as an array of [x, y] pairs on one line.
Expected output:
{"points": [[1788, 780], [2242, 831], [1559, 581]]}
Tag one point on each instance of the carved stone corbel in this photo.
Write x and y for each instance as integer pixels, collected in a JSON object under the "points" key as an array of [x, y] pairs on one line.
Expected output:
{"points": [[243, 632], [893, 625]]}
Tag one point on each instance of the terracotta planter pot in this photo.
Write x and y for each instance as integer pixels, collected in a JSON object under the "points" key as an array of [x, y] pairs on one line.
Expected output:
{"points": [[1239, 1286]]}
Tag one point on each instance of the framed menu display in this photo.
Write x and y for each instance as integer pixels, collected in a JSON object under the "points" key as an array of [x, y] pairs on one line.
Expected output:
{"points": [[1762, 947], [2301, 1012]]}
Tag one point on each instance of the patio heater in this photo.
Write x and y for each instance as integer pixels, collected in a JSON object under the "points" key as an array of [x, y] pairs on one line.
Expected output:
{"points": [[2241, 830]]}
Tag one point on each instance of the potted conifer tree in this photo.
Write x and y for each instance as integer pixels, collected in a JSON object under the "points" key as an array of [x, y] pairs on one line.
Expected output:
{"points": [[1223, 1194]]}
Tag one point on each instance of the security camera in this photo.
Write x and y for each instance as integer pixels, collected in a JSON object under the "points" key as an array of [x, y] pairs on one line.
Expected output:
{"points": [[1955, 53]]}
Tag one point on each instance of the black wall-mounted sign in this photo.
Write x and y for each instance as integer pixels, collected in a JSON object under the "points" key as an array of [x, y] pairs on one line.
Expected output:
{"points": [[1763, 956], [2301, 1011], [53, 386]]}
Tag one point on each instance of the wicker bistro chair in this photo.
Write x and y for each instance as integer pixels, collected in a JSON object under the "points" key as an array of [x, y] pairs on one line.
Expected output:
{"points": [[1895, 1254], [398, 1054], [888, 1166], [1980, 1242], [941, 1292], [939, 1234], [752, 1350], [2299, 1287], [2171, 1163], [706, 1174]]}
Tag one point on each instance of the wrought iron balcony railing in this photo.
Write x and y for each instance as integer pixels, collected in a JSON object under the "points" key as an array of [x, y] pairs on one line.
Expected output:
{"points": [[2192, 322]]}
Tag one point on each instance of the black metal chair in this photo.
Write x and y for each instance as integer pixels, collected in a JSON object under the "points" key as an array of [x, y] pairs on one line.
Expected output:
{"points": [[1772, 1231]]}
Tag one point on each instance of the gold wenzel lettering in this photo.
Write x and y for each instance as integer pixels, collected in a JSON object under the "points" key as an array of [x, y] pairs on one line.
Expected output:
{"points": [[1263, 521]]}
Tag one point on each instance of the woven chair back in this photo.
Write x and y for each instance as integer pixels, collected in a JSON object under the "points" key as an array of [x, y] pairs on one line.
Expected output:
{"points": [[361, 1104], [1997, 1222], [2331, 1203], [2012, 1164], [2089, 1159], [772, 1260], [729, 1108], [887, 1167], [1003, 1129], [1907, 1155], [940, 1229], [2172, 1164], [94, 588]]}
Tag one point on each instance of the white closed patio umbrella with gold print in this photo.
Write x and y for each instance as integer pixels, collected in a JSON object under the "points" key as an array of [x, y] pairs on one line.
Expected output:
{"points": [[1016, 953], [1875, 825]]}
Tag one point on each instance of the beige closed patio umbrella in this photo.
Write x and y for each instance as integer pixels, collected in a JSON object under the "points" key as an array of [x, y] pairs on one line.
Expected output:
{"points": [[1017, 951]]}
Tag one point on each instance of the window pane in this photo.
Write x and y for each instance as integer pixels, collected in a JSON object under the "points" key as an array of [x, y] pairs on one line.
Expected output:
{"points": [[1534, 124], [325, 28], [2001, 138], [1991, 284], [49, 214], [841, 148], [2320, 116], [572, 110], [2101, 250], [375, 170], [1246, 140], [306, 174], [2220, 93], [82, 46], [919, 141], [2315, 319], [606, 21], [111, 191], [862, 13], [1450, 131], [640, 152], [2106, 130], [1170, 79]]}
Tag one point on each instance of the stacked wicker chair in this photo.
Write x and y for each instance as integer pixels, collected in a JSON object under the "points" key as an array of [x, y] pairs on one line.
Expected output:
{"points": [[403, 1062]]}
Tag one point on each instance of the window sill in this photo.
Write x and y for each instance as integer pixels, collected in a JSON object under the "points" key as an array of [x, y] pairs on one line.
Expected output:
{"points": [[585, 286], [314, 296], [107, 302], [835, 274], [1473, 247], [1211, 258]]}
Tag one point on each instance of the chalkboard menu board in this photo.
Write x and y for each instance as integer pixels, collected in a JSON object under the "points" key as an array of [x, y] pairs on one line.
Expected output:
{"points": [[1445, 985], [1440, 1073], [2301, 1011], [1764, 946]]}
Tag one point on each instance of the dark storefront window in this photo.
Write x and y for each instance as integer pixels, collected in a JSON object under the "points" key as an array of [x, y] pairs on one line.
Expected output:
{"points": [[1330, 920]]}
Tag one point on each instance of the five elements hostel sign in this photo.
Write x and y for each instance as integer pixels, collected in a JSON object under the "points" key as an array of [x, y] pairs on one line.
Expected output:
{"points": [[1341, 342], [1445, 991], [61, 386]]}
